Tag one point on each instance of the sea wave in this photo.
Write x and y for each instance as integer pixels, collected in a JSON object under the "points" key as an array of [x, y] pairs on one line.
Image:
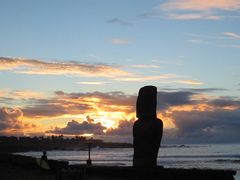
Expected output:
{"points": [[228, 161], [203, 156]]}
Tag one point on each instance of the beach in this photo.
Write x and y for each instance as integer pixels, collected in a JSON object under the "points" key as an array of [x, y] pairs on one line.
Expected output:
{"points": [[15, 166], [203, 156]]}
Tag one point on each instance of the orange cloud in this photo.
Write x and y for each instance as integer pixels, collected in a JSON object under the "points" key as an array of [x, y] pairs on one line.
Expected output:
{"points": [[106, 108], [33, 66], [197, 9], [11, 122], [190, 82], [201, 5], [2, 93], [113, 113]]}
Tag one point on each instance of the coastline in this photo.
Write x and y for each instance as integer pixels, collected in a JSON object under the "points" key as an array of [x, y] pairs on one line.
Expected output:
{"points": [[17, 167]]}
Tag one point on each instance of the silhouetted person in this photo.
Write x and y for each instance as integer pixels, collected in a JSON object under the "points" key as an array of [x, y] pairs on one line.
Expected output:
{"points": [[147, 130], [44, 156], [43, 163]]}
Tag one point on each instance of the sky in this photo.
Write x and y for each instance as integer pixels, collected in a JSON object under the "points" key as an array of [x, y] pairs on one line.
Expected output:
{"points": [[74, 67]]}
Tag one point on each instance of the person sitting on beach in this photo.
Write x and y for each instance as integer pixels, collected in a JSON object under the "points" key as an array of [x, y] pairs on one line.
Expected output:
{"points": [[147, 130]]}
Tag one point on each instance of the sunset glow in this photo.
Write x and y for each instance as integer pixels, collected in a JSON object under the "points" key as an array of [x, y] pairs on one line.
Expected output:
{"points": [[78, 71]]}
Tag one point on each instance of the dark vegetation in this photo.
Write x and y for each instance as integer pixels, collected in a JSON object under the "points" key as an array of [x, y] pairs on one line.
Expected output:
{"points": [[21, 144]]}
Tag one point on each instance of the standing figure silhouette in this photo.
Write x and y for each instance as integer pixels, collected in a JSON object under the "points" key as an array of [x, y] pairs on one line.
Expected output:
{"points": [[147, 130]]}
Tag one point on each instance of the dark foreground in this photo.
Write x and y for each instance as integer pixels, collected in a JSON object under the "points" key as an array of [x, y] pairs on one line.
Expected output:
{"points": [[16, 167]]}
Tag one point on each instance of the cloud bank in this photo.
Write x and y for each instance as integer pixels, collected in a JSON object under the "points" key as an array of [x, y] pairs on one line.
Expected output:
{"points": [[189, 115], [75, 128]]}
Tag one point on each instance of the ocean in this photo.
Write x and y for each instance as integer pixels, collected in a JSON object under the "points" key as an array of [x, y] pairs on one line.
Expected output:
{"points": [[213, 156]]}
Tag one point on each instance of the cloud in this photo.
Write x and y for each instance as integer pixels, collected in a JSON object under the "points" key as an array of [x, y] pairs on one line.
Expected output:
{"points": [[168, 99], [62, 103], [189, 115], [118, 21], [144, 66], [207, 126], [193, 90], [92, 82], [219, 40], [18, 98], [76, 128], [10, 118], [83, 103], [190, 82], [196, 9], [2, 93], [124, 129], [54, 107], [108, 98], [169, 78], [147, 78], [123, 133], [119, 41], [33, 66], [232, 35], [106, 108], [194, 119], [201, 5], [198, 118], [225, 102], [26, 94], [197, 41], [11, 123], [39, 67], [90, 126], [192, 16]]}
